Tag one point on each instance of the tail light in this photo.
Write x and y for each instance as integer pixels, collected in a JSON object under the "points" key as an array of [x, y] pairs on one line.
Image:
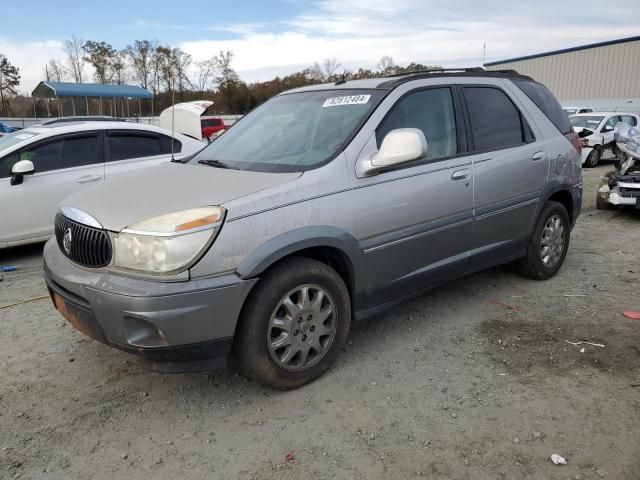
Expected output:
{"points": [[575, 141]]}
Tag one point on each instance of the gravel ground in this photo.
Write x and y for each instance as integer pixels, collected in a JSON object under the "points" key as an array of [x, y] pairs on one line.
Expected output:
{"points": [[473, 380]]}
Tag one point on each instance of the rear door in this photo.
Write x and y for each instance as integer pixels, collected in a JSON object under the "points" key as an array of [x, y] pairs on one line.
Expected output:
{"points": [[126, 150], [63, 165], [509, 169]]}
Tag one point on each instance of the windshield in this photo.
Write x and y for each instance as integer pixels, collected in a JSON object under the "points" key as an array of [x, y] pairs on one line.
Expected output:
{"points": [[15, 138], [591, 121], [293, 132]]}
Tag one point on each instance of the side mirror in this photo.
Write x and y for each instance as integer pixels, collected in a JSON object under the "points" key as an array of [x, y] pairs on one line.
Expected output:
{"points": [[20, 169], [400, 146], [607, 128]]}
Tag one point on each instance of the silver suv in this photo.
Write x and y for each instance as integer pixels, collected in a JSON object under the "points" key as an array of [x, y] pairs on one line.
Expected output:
{"points": [[325, 204]]}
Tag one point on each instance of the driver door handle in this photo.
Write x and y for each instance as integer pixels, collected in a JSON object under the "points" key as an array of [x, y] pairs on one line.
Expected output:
{"points": [[461, 174], [89, 179]]}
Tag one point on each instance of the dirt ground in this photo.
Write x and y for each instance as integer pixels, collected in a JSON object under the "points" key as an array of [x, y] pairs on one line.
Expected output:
{"points": [[473, 380]]}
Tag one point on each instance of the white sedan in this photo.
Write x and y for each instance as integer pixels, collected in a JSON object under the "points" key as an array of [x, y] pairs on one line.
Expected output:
{"points": [[41, 166], [596, 131]]}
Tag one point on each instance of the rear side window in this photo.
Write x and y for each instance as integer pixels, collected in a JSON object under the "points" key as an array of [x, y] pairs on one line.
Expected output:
{"points": [[126, 145], [55, 155], [629, 120], [430, 111], [546, 102], [495, 120]]}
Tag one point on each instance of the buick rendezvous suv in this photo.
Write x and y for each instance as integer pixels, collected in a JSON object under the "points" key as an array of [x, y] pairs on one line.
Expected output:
{"points": [[324, 205]]}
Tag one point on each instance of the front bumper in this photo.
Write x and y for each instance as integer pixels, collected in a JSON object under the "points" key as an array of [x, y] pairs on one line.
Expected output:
{"points": [[179, 326]]}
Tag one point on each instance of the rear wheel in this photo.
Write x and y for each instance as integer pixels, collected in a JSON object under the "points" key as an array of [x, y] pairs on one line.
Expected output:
{"points": [[548, 243], [593, 158], [294, 324]]}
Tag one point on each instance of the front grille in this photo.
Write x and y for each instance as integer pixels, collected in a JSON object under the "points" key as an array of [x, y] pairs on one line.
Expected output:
{"points": [[89, 247], [629, 192]]}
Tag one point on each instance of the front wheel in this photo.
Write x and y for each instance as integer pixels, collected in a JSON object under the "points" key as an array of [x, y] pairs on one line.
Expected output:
{"points": [[548, 243], [294, 324], [593, 158]]}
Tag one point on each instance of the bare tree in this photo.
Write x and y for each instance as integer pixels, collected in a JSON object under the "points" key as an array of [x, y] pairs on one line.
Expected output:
{"points": [[75, 59], [140, 55], [55, 70], [119, 68], [386, 64], [324, 72], [206, 71]]}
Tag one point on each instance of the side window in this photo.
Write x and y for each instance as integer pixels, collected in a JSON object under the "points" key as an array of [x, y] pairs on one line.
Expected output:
{"points": [[125, 146], [78, 151], [495, 120], [612, 121], [432, 112], [629, 120]]}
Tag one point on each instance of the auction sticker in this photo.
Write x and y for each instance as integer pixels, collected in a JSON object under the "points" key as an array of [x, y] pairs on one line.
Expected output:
{"points": [[348, 100]]}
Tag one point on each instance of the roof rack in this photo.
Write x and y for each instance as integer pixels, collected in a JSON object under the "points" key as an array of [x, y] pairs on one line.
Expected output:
{"points": [[439, 70], [400, 78]]}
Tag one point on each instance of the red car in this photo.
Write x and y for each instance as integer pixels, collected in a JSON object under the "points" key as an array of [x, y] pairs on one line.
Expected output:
{"points": [[211, 126]]}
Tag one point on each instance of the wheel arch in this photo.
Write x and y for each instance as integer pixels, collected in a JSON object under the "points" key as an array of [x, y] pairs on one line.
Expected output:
{"points": [[329, 245]]}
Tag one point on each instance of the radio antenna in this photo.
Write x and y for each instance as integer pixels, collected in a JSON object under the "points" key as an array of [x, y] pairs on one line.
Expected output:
{"points": [[173, 117]]}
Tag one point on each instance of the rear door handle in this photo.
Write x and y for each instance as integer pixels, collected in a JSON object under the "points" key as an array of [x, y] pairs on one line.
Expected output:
{"points": [[461, 174], [538, 156], [89, 179]]}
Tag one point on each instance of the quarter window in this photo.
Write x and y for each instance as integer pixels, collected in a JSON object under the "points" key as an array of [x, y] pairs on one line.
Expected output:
{"points": [[495, 120], [430, 111], [125, 146]]}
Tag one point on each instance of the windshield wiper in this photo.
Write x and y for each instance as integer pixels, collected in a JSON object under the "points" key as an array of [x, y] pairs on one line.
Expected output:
{"points": [[217, 164]]}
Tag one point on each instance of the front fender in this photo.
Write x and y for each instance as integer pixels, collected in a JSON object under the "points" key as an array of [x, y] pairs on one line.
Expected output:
{"points": [[299, 239]]}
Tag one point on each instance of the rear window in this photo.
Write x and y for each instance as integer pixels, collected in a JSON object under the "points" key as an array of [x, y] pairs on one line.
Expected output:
{"points": [[546, 102], [211, 122]]}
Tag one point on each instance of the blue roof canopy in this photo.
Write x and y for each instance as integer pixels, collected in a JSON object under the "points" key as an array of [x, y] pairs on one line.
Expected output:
{"points": [[68, 89]]}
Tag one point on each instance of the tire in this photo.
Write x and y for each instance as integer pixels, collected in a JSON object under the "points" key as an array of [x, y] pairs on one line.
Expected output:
{"points": [[535, 264], [269, 332], [593, 158], [602, 204]]}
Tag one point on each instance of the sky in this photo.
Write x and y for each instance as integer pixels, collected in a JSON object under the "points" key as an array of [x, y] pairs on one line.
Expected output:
{"points": [[270, 38]]}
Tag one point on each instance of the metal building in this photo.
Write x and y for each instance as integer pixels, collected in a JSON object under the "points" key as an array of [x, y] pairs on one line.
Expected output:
{"points": [[606, 73]]}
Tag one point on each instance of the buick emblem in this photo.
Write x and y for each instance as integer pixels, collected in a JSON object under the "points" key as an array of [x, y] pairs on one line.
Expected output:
{"points": [[66, 241]]}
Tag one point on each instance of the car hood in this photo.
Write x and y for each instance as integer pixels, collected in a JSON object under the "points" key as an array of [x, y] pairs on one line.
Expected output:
{"points": [[149, 192]]}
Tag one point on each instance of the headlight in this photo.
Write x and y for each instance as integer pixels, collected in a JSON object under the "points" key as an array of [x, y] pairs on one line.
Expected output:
{"points": [[168, 243]]}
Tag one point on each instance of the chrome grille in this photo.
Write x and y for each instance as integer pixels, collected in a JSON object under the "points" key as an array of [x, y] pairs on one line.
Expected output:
{"points": [[88, 246]]}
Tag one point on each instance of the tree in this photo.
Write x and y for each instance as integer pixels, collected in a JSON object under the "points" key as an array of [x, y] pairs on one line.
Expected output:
{"points": [[75, 59], [119, 68], [140, 56], [226, 79], [324, 72], [54, 71], [101, 56], [206, 71], [9, 80], [386, 65]]}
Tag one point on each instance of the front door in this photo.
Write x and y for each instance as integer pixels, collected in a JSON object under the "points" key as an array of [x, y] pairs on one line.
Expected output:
{"points": [[63, 166], [414, 223]]}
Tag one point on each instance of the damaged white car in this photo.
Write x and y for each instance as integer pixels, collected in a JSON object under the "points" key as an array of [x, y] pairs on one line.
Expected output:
{"points": [[596, 132], [621, 187]]}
